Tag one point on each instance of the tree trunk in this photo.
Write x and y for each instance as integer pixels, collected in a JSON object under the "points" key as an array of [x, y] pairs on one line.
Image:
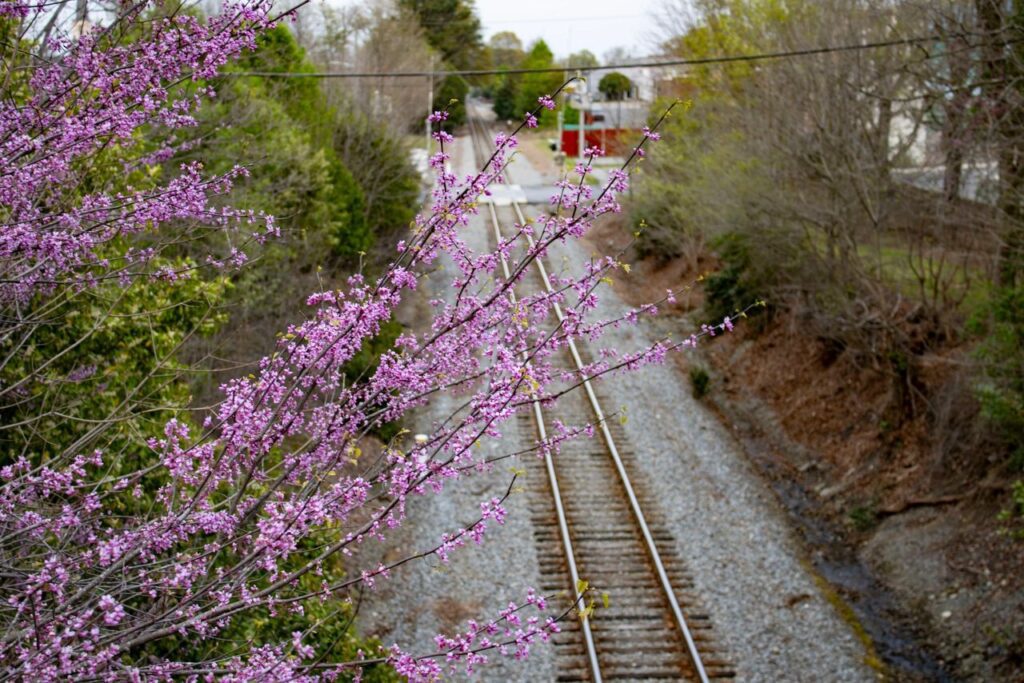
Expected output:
{"points": [[953, 159], [1001, 69], [1011, 184], [884, 131], [954, 130]]}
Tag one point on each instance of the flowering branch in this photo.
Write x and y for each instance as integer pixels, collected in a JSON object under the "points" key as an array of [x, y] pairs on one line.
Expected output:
{"points": [[268, 503]]}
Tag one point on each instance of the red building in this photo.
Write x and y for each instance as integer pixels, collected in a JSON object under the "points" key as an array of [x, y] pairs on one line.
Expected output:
{"points": [[614, 127]]}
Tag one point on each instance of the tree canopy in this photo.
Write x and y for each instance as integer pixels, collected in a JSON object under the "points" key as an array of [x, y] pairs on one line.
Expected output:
{"points": [[530, 86], [453, 29], [506, 49], [584, 59], [615, 85]]}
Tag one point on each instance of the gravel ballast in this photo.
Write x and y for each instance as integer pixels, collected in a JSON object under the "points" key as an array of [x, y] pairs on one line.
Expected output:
{"points": [[769, 615]]}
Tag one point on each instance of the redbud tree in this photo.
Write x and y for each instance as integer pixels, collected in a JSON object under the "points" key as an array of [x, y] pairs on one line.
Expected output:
{"points": [[111, 563]]}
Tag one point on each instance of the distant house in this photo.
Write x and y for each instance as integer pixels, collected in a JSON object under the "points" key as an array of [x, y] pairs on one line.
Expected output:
{"points": [[651, 81], [613, 126]]}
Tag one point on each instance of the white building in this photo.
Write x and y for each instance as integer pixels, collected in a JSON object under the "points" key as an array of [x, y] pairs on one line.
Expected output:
{"points": [[647, 75]]}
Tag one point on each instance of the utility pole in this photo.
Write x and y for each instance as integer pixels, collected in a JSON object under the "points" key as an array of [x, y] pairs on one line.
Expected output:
{"points": [[558, 141], [583, 125]]}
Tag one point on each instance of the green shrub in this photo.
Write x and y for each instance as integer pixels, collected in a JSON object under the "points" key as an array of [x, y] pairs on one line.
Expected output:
{"points": [[735, 285], [505, 98], [380, 165], [1000, 388], [863, 517], [615, 85], [100, 347], [1014, 515], [694, 185], [532, 85], [700, 381]]}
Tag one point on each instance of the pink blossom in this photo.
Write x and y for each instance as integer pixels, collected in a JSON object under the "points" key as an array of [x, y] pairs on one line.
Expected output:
{"points": [[274, 468]]}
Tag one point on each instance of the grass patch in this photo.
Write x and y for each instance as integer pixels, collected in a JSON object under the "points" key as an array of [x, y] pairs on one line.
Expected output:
{"points": [[863, 517], [910, 274], [700, 381]]}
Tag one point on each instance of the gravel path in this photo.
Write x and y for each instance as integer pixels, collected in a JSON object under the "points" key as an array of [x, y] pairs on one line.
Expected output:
{"points": [[768, 613]]}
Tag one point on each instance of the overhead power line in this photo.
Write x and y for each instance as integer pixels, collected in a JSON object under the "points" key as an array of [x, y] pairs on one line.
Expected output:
{"points": [[725, 59]]}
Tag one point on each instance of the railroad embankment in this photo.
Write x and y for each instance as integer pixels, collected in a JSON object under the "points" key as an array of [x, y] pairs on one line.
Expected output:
{"points": [[899, 515]]}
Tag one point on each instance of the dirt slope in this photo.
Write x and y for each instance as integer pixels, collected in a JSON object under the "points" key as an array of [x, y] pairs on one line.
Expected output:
{"points": [[901, 513]]}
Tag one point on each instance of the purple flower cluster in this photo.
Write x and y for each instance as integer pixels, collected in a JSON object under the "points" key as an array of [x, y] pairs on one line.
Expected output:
{"points": [[90, 96], [510, 635], [271, 489]]}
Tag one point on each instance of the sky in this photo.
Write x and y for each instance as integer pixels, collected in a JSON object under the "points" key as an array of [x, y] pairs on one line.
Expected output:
{"points": [[571, 25]]}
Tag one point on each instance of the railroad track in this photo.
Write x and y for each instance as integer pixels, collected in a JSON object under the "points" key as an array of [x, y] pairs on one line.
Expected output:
{"points": [[591, 523]]}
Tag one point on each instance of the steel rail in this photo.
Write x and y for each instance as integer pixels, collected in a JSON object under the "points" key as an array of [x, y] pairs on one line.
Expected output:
{"points": [[634, 503], [563, 522]]}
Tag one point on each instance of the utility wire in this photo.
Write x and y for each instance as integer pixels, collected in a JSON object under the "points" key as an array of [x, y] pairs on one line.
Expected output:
{"points": [[728, 59]]}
